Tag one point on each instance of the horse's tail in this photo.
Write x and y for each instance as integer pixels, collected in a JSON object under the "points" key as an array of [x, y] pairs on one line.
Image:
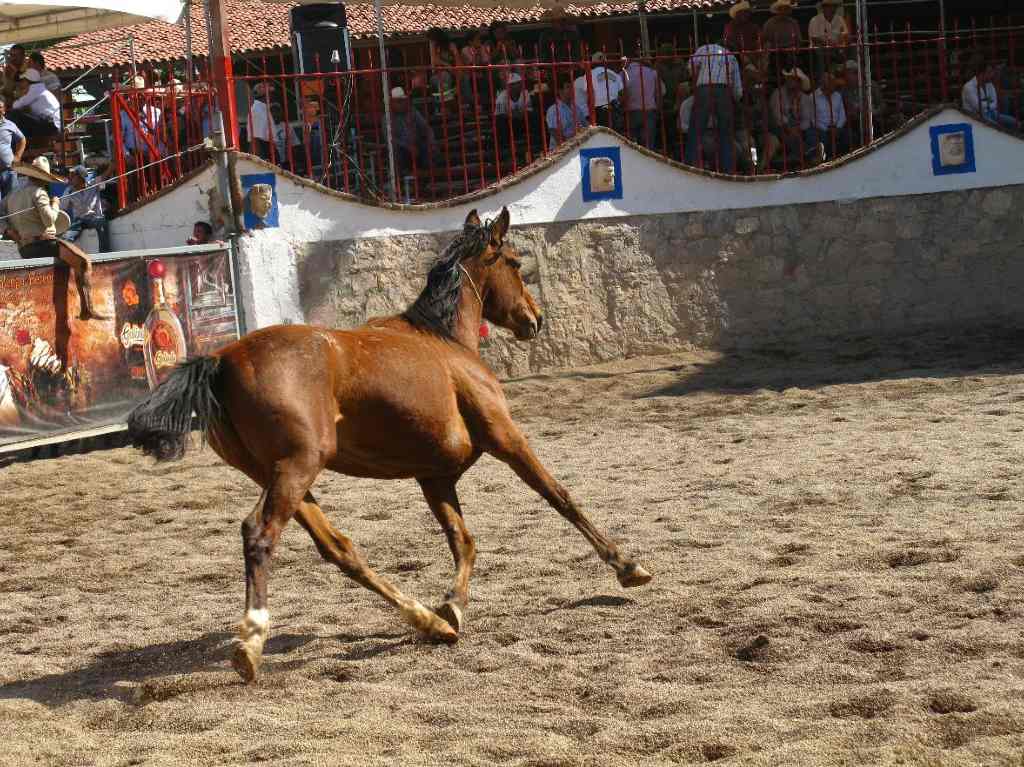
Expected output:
{"points": [[161, 423]]}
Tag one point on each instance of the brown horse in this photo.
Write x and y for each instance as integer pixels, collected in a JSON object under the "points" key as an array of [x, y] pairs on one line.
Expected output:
{"points": [[403, 396]]}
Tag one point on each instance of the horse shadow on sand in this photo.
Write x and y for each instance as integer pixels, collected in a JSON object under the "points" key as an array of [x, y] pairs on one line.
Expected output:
{"points": [[139, 675]]}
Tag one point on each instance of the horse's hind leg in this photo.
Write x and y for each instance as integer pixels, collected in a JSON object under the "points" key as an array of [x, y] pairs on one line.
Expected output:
{"points": [[444, 502], [509, 445], [339, 549], [261, 531]]}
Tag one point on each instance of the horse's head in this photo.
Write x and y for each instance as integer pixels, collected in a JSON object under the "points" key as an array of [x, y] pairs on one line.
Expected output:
{"points": [[506, 300]]}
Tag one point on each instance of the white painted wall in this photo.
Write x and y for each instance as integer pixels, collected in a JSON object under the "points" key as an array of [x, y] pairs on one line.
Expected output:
{"points": [[268, 279], [651, 186], [167, 221]]}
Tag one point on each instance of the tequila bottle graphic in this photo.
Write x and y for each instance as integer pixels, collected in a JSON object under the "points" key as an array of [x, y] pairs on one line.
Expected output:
{"points": [[165, 340]]}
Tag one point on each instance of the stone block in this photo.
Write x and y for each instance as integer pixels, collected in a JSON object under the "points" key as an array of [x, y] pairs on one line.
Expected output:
{"points": [[747, 225], [997, 203]]}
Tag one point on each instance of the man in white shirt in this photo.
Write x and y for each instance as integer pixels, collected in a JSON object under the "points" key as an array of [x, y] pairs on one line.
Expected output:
{"points": [[642, 94], [260, 125], [828, 33], [979, 98], [512, 100], [36, 112], [830, 117], [719, 85], [605, 86], [791, 110]]}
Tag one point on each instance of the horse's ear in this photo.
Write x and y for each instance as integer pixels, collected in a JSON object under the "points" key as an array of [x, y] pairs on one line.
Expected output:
{"points": [[500, 227], [473, 219]]}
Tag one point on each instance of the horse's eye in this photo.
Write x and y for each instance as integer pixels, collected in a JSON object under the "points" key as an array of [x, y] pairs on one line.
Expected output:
{"points": [[517, 265]]}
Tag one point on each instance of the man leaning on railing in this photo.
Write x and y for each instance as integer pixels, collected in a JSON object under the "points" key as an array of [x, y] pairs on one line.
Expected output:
{"points": [[979, 97], [719, 86], [565, 117]]}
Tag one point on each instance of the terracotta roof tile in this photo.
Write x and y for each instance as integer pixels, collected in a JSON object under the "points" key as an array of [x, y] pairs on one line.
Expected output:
{"points": [[258, 26]]}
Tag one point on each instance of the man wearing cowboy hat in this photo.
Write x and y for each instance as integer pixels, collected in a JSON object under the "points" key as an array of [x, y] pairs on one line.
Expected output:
{"points": [[412, 135], [828, 31], [781, 31], [260, 126], [36, 111], [37, 219], [742, 34], [792, 113]]}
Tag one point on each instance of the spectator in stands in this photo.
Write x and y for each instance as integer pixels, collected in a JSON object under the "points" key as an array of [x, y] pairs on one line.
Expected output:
{"points": [[979, 97], [830, 116], [856, 103], [202, 234], [311, 155], [755, 129], [412, 135], [707, 153], [260, 125], [284, 138], [504, 50], [50, 80], [134, 139], [742, 33], [565, 117], [828, 32], [36, 111], [444, 56], [718, 86], [672, 71], [85, 208], [476, 53], [604, 86], [642, 96], [12, 146], [14, 67], [781, 31], [560, 41], [792, 111], [512, 100]]}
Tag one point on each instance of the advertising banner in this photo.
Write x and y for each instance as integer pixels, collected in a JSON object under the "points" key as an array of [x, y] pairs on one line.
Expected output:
{"points": [[62, 374]]}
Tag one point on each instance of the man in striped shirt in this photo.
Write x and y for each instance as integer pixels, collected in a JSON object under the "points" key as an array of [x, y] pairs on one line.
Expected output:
{"points": [[719, 86]]}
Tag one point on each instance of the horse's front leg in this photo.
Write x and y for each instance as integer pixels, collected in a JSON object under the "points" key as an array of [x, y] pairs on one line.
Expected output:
{"points": [[509, 445], [444, 502]]}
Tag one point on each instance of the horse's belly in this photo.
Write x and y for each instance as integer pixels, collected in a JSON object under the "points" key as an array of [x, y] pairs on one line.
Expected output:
{"points": [[402, 448]]}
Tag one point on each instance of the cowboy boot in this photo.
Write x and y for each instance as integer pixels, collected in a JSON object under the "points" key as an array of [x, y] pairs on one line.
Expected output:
{"points": [[88, 312]]}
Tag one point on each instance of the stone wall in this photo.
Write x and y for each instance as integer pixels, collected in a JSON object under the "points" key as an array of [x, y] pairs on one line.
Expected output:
{"points": [[761, 277]]}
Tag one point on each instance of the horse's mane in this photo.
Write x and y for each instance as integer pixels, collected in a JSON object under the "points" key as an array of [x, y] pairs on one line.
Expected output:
{"points": [[437, 307]]}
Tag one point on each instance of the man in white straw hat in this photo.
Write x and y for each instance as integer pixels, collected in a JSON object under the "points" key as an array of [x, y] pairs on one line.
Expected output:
{"points": [[792, 120], [512, 99], [742, 33], [828, 31], [36, 220], [36, 111]]}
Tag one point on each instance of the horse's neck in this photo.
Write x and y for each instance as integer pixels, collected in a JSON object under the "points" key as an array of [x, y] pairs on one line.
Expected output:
{"points": [[467, 326]]}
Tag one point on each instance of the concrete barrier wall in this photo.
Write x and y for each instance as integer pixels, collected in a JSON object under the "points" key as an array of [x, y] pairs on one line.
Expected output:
{"points": [[779, 276]]}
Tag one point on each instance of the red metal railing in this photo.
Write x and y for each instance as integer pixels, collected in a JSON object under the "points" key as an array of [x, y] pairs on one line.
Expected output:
{"points": [[459, 128]]}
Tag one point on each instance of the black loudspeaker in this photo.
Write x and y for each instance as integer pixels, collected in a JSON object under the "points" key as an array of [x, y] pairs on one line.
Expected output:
{"points": [[320, 41]]}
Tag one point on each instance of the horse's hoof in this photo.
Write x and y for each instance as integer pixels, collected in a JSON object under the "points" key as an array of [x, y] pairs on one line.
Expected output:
{"points": [[245, 662], [634, 575], [452, 615], [430, 625]]}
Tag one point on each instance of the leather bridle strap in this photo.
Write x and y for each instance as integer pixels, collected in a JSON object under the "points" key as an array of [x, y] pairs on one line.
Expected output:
{"points": [[473, 285]]}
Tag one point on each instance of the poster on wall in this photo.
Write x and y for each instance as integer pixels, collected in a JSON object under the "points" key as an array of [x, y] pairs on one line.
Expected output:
{"points": [[62, 374]]}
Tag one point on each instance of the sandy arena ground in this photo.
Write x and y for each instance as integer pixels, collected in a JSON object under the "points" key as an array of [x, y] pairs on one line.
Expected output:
{"points": [[859, 511]]}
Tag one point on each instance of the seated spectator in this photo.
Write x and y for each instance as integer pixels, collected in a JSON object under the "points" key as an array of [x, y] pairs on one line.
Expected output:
{"points": [[979, 98], [830, 116], [412, 135], [718, 86], [512, 100], [564, 118], [202, 234], [260, 126], [49, 79], [85, 208], [742, 33], [12, 146], [605, 86], [792, 111], [642, 94], [36, 111], [828, 31], [856, 102], [756, 129]]}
